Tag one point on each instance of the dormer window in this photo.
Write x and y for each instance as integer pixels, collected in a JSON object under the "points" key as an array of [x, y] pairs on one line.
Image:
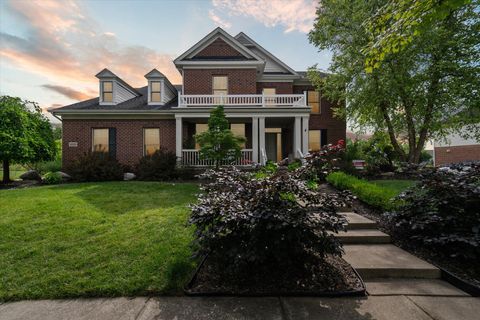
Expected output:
{"points": [[155, 91], [107, 91]]}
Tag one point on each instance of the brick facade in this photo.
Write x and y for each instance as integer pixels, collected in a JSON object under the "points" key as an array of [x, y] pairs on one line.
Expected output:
{"points": [[453, 154], [200, 81], [281, 87], [129, 139], [336, 128], [218, 48]]}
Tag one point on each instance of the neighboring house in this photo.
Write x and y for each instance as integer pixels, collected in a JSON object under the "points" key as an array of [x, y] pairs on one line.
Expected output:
{"points": [[455, 149], [276, 108]]}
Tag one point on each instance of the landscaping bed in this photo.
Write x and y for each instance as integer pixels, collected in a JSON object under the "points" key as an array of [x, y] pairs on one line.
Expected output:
{"points": [[331, 276]]}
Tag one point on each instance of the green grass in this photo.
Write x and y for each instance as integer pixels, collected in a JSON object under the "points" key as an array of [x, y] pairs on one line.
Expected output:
{"points": [[15, 171], [95, 239], [379, 193], [396, 185]]}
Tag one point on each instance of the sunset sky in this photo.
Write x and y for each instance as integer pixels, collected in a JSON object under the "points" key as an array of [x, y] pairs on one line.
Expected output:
{"points": [[51, 50]]}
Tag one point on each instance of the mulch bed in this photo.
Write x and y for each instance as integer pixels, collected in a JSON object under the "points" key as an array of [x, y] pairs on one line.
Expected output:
{"points": [[17, 184], [330, 277]]}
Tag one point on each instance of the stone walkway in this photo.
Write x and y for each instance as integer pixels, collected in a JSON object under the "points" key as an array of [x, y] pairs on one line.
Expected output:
{"points": [[224, 308]]}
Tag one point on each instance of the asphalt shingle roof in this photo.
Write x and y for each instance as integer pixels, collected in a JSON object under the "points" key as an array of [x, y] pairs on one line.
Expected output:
{"points": [[137, 103]]}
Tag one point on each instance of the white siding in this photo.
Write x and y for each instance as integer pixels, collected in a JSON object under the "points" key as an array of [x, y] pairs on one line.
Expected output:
{"points": [[270, 65], [120, 93], [169, 92]]}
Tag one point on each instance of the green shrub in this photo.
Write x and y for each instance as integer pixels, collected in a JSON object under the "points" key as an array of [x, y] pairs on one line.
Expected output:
{"points": [[368, 192], [158, 166], [95, 166], [294, 165], [52, 178], [48, 166]]}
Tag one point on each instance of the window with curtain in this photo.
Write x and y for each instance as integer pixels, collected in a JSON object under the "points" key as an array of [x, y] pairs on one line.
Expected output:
{"points": [[100, 141], [155, 91], [268, 92], [107, 91], [151, 140], [199, 128], [238, 129], [314, 101], [314, 139], [220, 88]]}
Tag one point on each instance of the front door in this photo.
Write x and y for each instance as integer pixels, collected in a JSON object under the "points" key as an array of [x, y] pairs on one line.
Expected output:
{"points": [[271, 146]]}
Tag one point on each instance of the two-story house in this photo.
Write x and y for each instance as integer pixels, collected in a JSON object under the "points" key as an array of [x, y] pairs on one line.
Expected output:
{"points": [[275, 108]]}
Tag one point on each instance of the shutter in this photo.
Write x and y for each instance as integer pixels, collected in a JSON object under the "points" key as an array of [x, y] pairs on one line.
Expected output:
{"points": [[323, 137], [112, 143]]}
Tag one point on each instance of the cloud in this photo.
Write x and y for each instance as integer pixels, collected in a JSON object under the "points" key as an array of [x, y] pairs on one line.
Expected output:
{"points": [[293, 15], [66, 45], [218, 21], [68, 92]]}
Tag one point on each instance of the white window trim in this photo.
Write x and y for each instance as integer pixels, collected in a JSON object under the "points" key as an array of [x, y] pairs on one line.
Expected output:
{"points": [[162, 92], [107, 103]]}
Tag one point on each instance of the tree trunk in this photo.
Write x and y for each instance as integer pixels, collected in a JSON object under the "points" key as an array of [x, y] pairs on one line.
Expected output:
{"points": [[6, 171], [391, 132]]}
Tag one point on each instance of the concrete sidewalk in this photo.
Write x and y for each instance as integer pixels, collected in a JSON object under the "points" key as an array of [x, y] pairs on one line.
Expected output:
{"points": [[229, 308]]}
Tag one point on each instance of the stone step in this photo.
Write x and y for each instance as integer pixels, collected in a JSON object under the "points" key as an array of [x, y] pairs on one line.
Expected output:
{"points": [[412, 287], [356, 221], [363, 236], [387, 261]]}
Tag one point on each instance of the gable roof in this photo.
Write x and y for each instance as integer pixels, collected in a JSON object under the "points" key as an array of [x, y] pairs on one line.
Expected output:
{"points": [[105, 73], [154, 73], [270, 58], [209, 39]]}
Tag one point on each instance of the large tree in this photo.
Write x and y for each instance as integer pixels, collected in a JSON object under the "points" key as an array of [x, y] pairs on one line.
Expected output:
{"points": [[26, 136], [218, 144], [424, 91]]}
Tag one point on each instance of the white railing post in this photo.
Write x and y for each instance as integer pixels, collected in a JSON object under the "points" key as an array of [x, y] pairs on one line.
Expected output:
{"points": [[304, 98], [263, 100]]}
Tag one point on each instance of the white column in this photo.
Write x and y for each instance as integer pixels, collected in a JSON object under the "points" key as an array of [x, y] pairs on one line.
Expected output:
{"points": [[255, 139], [297, 136], [305, 135], [178, 138], [261, 135]]}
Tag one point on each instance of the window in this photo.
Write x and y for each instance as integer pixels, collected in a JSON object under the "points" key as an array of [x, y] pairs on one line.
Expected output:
{"points": [[269, 92], [151, 140], [155, 91], [238, 129], [107, 91], [314, 138], [100, 141], [314, 101], [199, 128], [220, 87]]}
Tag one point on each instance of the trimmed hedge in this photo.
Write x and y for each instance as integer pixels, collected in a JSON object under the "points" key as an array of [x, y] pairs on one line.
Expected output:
{"points": [[370, 193]]}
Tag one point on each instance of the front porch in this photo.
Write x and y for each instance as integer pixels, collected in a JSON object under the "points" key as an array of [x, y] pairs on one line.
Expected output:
{"points": [[268, 137]]}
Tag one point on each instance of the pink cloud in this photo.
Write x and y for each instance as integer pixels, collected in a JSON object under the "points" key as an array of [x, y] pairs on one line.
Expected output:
{"points": [[68, 47], [293, 15]]}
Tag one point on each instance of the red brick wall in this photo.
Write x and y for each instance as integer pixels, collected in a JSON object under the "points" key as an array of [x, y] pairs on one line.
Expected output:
{"points": [[240, 81], [282, 87], [219, 48], [446, 155], [129, 137], [336, 128]]}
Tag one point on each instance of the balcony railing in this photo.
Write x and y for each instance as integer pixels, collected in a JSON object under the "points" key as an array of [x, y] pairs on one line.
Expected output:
{"points": [[191, 158], [241, 100]]}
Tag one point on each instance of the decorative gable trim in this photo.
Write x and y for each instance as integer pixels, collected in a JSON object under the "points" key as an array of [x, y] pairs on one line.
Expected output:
{"points": [[250, 43]]}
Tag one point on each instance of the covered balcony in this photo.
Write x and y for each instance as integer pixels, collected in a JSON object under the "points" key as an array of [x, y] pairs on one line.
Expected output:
{"points": [[242, 100]]}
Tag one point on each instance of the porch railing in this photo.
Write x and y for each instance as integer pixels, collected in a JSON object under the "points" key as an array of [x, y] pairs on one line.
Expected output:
{"points": [[247, 100], [191, 158]]}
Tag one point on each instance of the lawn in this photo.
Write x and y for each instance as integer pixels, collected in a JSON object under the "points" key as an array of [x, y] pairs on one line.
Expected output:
{"points": [[396, 185], [95, 239]]}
